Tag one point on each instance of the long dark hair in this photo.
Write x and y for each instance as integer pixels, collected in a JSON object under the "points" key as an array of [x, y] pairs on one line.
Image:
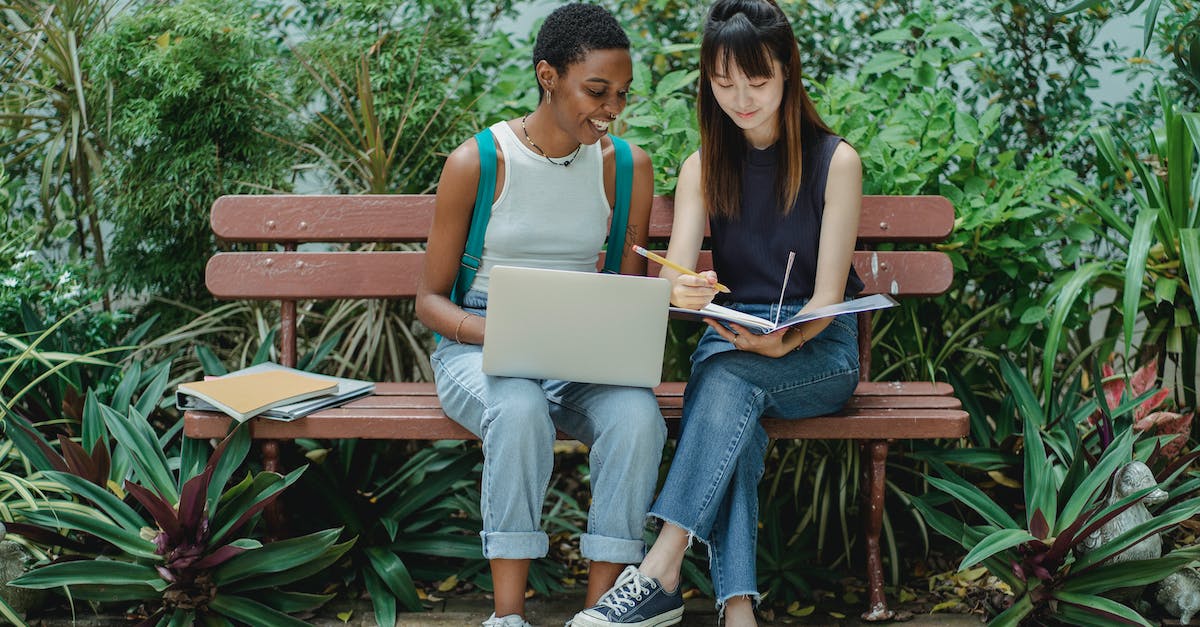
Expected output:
{"points": [[748, 34]]}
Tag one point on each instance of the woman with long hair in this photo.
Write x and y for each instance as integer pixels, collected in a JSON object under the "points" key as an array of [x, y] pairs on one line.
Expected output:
{"points": [[770, 179]]}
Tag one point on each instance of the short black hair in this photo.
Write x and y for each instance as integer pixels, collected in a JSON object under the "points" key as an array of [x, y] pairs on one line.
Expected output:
{"points": [[573, 30]]}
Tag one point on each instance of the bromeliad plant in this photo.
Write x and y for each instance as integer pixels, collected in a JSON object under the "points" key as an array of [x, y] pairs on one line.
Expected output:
{"points": [[187, 553], [1039, 554]]}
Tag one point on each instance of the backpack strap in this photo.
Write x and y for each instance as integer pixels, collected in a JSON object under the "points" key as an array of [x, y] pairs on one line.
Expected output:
{"points": [[484, 194], [620, 216]]}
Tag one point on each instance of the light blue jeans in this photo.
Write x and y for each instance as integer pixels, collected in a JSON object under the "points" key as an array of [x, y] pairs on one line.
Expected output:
{"points": [[516, 420], [711, 490]]}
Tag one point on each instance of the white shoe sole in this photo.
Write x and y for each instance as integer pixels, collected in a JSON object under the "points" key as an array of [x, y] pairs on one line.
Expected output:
{"points": [[662, 620]]}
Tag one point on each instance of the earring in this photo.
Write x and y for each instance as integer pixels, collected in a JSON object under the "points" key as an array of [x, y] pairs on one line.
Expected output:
{"points": [[549, 96], [612, 116]]}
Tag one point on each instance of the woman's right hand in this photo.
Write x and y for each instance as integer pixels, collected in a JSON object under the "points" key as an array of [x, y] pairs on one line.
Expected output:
{"points": [[694, 292]]}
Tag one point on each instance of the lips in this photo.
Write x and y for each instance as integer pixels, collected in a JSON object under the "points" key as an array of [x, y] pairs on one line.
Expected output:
{"points": [[746, 116], [601, 126]]}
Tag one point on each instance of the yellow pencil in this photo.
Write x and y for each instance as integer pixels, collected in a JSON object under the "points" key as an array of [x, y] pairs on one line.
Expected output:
{"points": [[674, 266]]}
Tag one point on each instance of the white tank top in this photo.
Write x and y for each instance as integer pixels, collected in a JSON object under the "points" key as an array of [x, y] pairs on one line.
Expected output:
{"points": [[547, 216]]}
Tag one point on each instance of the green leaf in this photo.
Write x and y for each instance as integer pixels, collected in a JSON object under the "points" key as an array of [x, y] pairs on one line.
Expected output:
{"points": [[128, 541], [9, 614], [291, 602], [1135, 269], [115, 508], [975, 499], [1101, 607], [111, 572], [275, 557], [892, 35], [1165, 288], [884, 62], [1000, 540], [1071, 290], [1117, 575], [394, 574], [312, 567], [1137, 533], [147, 456], [382, 599], [1117, 454], [1189, 243], [674, 81], [251, 612]]}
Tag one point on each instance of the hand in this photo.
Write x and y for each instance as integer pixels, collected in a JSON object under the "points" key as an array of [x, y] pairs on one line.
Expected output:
{"points": [[768, 344], [694, 292]]}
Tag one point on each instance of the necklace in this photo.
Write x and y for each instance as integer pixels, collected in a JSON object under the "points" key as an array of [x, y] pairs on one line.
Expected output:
{"points": [[538, 148]]}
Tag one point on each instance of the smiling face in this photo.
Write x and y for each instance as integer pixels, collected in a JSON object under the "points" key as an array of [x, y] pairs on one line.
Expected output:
{"points": [[590, 94], [752, 102]]}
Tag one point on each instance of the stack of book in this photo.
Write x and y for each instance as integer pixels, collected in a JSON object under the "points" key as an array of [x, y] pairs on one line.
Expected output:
{"points": [[271, 391]]}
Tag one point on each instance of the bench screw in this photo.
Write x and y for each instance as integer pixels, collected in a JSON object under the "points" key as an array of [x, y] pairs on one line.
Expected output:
{"points": [[271, 224], [883, 226]]}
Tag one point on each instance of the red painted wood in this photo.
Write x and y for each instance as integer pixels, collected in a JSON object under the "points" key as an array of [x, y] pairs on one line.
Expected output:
{"points": [[408, 217], [396, 274], [431, 424]]}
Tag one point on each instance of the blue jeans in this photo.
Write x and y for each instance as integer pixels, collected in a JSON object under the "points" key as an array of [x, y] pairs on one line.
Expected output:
{"points": [[711, 490], [516, 420]]}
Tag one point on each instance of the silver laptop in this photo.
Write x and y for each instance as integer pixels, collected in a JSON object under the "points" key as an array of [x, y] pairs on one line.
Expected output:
{"points": [[575, 326]]}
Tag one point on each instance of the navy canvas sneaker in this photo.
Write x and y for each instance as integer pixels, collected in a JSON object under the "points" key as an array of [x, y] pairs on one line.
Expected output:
{"points": [[635, 601]]}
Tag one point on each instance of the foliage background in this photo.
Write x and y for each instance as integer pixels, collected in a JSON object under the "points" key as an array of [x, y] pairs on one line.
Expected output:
{"points": [[122, 120]]}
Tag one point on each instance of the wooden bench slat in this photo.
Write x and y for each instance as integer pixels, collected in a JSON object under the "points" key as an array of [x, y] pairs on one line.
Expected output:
{"points": [[408, 218], [431, 424], [675, 388], [394, 274]]}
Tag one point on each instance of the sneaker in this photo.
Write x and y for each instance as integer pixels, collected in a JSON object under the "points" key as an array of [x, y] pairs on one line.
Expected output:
{"points": [[635, 601], [512, 620]]}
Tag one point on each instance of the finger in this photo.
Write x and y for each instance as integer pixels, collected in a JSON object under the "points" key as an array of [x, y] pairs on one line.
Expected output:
{"points": [[722, 331]]}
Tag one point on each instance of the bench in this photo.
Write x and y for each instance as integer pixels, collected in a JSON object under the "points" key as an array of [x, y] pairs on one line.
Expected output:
{"points": [[877, 413]]}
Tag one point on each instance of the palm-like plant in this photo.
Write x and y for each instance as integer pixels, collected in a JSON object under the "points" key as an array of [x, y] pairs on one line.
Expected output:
{"points": [[1161, 277], [45, 98], [1037, 554], [187, 551]]}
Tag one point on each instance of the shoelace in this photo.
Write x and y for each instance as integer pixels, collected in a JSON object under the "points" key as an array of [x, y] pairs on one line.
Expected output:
{"points": [[627, 592]]}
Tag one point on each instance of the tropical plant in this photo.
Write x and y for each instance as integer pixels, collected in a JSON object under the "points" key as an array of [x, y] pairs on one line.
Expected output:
{"points": [[1161, 237], [50, 132], [1039, 554], [187, 552], [189, 114]]}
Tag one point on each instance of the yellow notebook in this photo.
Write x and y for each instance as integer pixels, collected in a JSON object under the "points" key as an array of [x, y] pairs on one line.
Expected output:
{"points": [[245, 396]]}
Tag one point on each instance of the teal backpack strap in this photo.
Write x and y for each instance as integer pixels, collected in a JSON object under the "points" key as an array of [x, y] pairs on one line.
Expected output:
{"points": [[620, 216], [484, 194]]}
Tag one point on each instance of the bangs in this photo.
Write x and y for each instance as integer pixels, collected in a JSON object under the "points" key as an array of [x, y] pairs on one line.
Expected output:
{"points": [[736, 43]]}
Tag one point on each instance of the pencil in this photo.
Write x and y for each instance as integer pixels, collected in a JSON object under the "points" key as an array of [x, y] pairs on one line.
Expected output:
{"points": [[674, 266]]}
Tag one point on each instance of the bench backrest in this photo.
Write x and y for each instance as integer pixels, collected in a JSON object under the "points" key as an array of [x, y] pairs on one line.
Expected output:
{"points": [[287, 274]]}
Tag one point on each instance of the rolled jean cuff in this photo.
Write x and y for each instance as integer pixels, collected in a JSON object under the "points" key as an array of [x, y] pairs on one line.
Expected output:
{"points": [[607, 549], [514, 545], [755, 599]]}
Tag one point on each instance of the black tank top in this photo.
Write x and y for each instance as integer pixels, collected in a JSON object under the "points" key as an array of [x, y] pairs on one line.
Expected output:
{"points": [[750, 252]]}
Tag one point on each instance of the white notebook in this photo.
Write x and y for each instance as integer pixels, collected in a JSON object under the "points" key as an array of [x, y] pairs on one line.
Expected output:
{"points": [[576, 326]]}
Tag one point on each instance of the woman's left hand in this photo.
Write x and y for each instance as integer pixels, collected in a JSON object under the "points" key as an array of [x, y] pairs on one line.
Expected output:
{"points": [[767, 344]]}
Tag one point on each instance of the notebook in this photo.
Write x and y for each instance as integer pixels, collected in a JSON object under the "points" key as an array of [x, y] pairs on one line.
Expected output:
{"points": [[576, 326]]}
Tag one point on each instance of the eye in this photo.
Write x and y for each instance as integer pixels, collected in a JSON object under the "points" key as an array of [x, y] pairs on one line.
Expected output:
{"points": [[725, 85], [624, 93], [759, 84], [593, 92]]}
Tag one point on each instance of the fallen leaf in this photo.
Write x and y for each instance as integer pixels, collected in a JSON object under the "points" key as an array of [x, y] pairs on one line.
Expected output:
{"points": [[944, 605], [1002, 479], [795, 610], [837, 615], [345, 616]]}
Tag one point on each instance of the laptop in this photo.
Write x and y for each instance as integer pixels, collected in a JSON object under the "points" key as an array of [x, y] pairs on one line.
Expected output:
{"points": [[576, 326]]}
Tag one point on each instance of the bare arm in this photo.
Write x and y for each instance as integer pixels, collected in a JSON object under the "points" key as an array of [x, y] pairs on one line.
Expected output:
{"points": [[687, 236], [839, 232], [641, 197], [447, 240]]}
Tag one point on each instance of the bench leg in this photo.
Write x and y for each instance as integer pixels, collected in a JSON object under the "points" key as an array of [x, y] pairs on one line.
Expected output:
{"points": [[873, 522], [273, 513]]}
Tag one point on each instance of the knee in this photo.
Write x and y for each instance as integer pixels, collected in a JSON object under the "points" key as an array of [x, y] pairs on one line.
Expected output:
{"points": [[520, 415], [638, 426]]}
